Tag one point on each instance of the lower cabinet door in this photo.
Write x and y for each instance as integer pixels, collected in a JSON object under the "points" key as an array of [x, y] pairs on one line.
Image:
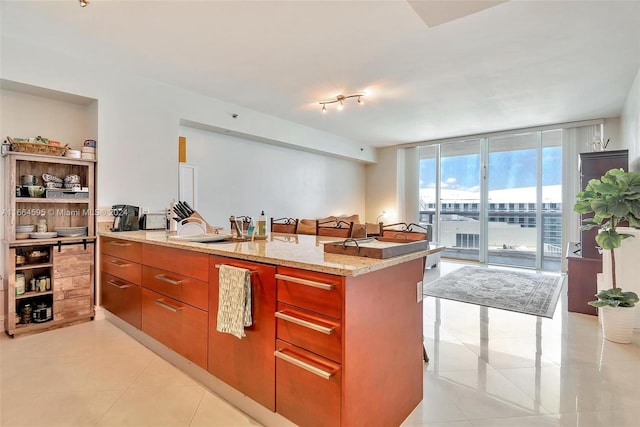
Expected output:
{"points": [[307, 387], [246, 364], [121, 298], [177, 325]]}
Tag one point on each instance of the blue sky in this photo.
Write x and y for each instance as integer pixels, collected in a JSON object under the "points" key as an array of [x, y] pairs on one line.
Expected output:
{"points": [[507, 169]]}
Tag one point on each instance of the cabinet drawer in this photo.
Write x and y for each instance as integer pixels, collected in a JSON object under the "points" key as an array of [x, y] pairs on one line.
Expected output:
{"points": [[121, 248], [190, 263], [177, 325], [122, 268], [121, 298], [308, 387], [322, 293], [312, 331], [177, 286]]}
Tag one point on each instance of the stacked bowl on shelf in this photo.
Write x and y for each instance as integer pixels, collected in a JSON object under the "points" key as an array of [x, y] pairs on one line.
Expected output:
{"points": [[89, 149], [23, 230]]}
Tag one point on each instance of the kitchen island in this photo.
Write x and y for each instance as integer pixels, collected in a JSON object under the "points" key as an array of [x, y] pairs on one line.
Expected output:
{"points": [[335, 340]]}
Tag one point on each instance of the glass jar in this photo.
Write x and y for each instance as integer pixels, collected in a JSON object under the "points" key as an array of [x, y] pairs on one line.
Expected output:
{"points": [[20, 284], [27, 313]]}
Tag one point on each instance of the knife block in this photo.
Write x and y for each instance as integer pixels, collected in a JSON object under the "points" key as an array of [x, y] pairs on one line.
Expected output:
{"points": [[196, 218]]}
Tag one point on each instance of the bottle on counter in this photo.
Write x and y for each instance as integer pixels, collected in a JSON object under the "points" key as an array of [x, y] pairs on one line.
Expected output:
{"points": [[42, 224], [262, 224]]}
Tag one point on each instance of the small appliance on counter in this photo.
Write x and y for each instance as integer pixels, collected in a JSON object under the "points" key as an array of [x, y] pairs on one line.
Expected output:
{"points": [[125, 217], [153, 221]]}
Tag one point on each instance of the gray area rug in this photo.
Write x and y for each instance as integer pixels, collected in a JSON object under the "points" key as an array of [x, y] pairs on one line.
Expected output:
{"points": [[528, 293]]}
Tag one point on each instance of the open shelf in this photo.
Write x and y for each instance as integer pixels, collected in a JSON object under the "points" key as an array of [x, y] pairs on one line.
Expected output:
{"points": [[32, 266], [33, 294], [41, 200]]}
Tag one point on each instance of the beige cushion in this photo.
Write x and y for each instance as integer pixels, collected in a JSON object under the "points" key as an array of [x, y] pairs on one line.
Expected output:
{"points": [[353, 218], [306, 226]]}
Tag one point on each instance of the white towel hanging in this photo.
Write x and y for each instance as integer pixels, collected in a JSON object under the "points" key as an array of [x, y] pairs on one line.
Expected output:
{"points": [[234, 304]]}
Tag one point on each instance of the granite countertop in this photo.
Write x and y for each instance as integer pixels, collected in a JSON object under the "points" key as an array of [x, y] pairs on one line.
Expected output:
{"points": [[291, 250]]}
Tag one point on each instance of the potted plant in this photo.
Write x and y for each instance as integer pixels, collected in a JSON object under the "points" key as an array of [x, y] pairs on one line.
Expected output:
{"points": [[613, 199]]}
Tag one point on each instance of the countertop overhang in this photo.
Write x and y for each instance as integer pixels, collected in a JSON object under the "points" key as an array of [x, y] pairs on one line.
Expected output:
{"points": [[292, 250]]}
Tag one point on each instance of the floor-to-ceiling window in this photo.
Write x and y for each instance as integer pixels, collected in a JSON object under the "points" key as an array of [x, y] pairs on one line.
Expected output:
{"points": [[496, 199]]}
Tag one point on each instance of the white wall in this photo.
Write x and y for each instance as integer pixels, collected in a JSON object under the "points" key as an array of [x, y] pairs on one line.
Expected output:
{"points": [[139, 122], [382, 186], [241, 177], [630, 124]]}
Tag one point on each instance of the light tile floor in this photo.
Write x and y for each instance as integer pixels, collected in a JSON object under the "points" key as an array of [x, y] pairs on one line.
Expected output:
{"points": [[488, 368]]}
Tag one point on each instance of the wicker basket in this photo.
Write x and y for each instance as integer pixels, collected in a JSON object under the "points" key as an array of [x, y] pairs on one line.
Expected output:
{"points": [[38, 148]]}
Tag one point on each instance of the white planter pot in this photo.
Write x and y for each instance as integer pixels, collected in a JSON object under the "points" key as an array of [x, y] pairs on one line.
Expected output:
{"points": [[617, 323], [627, 266]]}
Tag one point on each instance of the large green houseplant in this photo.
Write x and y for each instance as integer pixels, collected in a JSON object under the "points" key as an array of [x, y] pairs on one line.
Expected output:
{"points": [[613, 199]]}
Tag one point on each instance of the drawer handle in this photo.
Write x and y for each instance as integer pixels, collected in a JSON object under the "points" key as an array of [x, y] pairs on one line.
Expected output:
{"points": [[119, 264], [164, 278], [299, 363], [169, 307], [119, 244], [323, 286], [113, 283], [251, 272], [306, 324]]}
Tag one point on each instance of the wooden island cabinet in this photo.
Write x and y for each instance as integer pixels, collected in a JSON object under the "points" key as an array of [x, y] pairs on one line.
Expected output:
{"points": [[332, 337]]}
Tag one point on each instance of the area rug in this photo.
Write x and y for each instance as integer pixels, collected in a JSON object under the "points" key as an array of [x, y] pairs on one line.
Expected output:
{"points": [[529, 293]]}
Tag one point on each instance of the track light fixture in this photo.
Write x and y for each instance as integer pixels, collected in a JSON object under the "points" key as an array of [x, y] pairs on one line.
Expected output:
{"points": [[84, 3], [340, 100]]}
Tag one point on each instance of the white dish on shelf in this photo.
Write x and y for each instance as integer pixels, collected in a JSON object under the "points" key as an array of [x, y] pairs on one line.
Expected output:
{"points": [[43, 235], [26, 228], [71, 231], [202, 237]]}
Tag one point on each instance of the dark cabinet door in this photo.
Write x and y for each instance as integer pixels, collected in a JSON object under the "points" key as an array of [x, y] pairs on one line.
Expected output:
{"points": [[246, 364], [592, 166], [121, 298]]}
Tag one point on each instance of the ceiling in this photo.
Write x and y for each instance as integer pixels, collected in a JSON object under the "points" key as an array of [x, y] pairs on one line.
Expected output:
{"points": [[430, 69]]}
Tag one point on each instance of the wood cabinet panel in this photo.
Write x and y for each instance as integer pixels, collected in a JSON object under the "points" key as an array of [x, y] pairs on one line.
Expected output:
{"points": [[190, 263], [121, 248], [246, 364], [122, 268], [308, 398], [175, 324], [177, 286], [70, 308], [319, 292], [592, 166], [121, 298], [312, 331], [582, 284]]}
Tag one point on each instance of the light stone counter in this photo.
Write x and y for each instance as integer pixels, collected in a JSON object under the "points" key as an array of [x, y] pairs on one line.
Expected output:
{"points": [[291, 250]]}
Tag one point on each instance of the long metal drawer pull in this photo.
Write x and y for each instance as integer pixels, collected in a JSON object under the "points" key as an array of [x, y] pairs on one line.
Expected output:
{"points": [[167, 306], [324, 286], [113, 283], [306, 324], [299, 363], [164, 278], [119, 244], [251, 272], [118, 264]]}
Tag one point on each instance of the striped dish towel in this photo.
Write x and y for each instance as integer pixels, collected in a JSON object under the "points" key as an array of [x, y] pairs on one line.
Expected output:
{"points": [[234, 304]]}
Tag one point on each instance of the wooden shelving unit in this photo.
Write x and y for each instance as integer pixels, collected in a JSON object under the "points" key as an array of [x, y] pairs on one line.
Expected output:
{"points": [[70, 262]]}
